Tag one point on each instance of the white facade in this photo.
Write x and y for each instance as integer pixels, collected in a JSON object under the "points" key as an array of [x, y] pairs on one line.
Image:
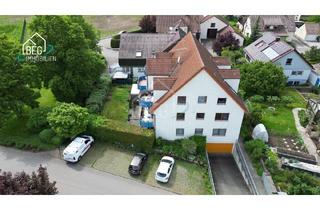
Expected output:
{"points": [[233, 83], [204, 26], [302, 34], [201, 85], [298, 71], [314, 78], [158, 94], [247, 28]]}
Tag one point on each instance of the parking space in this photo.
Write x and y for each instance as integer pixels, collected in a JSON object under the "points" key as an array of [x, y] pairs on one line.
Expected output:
{"points": [[186, 178], [227, 177]]}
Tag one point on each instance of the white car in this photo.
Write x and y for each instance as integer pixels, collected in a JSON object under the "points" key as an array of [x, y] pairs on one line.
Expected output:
{"points": [[77, 148], [164, 170]]}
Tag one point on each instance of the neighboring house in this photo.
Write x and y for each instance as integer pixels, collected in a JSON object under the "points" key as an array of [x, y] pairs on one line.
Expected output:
{"points": [[135, 48], [273, 49], [281, 25], [202, 27], [314, 78], [309, 32], [194, 97]]}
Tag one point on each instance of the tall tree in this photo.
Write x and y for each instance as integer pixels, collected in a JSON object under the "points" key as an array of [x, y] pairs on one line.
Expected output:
{"points": [[225, 40], [255, 34], [78, 64], [16, 81], [24, 184], [259, 78], [148, 24], [313, 55]]}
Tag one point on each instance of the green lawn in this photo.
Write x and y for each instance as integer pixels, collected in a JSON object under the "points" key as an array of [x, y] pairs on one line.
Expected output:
{"points": [[47, 98], [281, 122], [186, 178], [117, 106], [11, 26], [15, 132]]}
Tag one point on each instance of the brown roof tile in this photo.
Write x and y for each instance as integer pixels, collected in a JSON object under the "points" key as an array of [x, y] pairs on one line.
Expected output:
{"points": [[222, 61], [230, 73], [313, 28], [160, 66], [164, 22], [194, 58], [163, 83]]}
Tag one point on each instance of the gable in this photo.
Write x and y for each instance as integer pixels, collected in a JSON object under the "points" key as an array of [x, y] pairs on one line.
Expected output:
{"points": [[298, 62]]}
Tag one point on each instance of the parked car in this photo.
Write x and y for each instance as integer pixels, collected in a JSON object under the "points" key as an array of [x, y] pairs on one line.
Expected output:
{"points": [[137, 163], [164, 170], [77, 148]]}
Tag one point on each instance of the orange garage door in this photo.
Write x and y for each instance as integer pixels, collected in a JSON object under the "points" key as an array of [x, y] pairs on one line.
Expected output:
{"points": [[219, 147]]}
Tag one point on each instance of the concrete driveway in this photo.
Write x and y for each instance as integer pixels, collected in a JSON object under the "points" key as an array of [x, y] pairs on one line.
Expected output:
{"points": [[73, 178], [109, 53], [227, 177]]}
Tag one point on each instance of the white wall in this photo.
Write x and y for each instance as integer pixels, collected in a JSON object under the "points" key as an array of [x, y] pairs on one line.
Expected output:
{"points": [[150, 81], [247, 27], [313, 78], [207, 24], [240, 38], [200, 85], [298, 64], [301, 32], [234, 83], [158, 94]]}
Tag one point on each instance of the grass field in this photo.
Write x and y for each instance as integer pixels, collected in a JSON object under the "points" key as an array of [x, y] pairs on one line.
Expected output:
{"points": [[117, 106], [11, 26], [281, 122]]}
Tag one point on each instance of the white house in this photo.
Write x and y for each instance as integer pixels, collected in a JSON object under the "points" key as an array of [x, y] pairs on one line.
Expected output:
{"points": [[309, 32], [270, 48], [282, 25], [203, 27], [194, 97]]}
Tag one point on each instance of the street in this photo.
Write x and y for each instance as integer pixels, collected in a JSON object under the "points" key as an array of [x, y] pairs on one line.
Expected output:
{"points": [[73, 178]]}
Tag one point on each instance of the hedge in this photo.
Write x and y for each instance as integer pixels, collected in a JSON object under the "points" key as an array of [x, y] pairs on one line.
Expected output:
{"points": [[97, 97], [123, 134], [115, 43]]}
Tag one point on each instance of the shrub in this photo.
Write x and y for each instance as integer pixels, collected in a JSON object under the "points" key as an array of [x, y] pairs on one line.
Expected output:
{"points": [[257, 149], [97, 97], [287, 99], [68, 119], [257, 98], [38, 119], [115, 43], [273, 99], [122, 134], [271, 161], [303, 118], [46, 135], [189, 146], [56, 140]]}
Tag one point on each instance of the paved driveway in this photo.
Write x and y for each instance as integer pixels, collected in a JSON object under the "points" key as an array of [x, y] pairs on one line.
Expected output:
{"points": [[227, 177], [109, 53], [73, 178]]}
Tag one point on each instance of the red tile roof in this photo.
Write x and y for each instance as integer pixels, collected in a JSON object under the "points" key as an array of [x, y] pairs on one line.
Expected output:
{"points": [[160, 66], [194, 58], [163, 83], [222, 61], [230, 73]]}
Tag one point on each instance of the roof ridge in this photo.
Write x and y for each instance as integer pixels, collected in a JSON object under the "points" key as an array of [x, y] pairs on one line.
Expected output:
{"points": [[197, 51]]}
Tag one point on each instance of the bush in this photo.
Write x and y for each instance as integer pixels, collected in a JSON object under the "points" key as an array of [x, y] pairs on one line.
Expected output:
{"points": [[97, 97], [38, 119], [115, 43], [273, 99], [68, 119], [257, 99], [303, 118], [46, 135], [122, 134], [257, 149], [287, 99], [189, 146], [56, 140]]}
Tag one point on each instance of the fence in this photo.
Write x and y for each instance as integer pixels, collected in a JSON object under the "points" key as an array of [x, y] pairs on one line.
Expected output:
{"points": [[210, 175]]}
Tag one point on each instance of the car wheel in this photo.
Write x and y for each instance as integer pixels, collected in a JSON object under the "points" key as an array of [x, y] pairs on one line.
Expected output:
{"points": [[79, 158]]}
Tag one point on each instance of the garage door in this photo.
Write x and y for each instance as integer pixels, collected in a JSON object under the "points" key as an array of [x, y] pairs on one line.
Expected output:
{"points": [[219, 148]]}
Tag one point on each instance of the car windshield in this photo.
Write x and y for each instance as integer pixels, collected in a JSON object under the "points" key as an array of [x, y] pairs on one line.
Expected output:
{"points": [[161, 174], [166, 161]]}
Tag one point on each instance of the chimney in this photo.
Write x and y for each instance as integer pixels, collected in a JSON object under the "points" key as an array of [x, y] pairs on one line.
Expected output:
{"points": [[277, 39]]}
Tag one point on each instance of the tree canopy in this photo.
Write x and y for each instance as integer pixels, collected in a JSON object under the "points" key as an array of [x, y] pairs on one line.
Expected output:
{"points": [[68, 119], [78, 64], [225, 40], [16, 81], [24, 184], [259, 78], [313, 55], [148, 24]]}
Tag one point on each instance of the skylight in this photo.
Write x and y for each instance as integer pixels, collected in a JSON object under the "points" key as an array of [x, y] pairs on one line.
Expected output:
{"points": [[138, 53], [270, 53]]}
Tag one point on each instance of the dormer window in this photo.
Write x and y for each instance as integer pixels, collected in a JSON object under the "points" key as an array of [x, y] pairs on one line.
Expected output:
{"points": [[138, 53], [213, 25]]}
